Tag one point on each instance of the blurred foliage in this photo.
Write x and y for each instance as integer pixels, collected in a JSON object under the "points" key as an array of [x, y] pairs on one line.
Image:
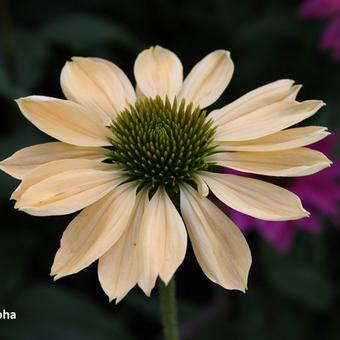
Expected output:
{"points": [[295, 296]]}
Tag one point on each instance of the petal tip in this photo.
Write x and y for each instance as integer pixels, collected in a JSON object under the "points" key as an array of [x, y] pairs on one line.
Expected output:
{"points": [[313, 104], [319, 104], [53, 274], [55, 277], [244, 290], [119, 299], [222, 52], [58, 274], [147, 293], [325, 132], [18, 206], [166, 280], [242, 287], [157, 47], [202, 187], [22, 100], [227, 53], [145, 287], [76, 58], [13, 197], [146, 290]]}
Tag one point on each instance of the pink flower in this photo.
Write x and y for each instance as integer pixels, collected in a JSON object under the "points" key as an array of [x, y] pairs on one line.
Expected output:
{"points": [[325, 9], [319, 9], [321, 196], [330, 40]]}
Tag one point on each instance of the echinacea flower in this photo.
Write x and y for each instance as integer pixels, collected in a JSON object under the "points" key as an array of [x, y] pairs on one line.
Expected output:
{"points": [[320, 193], [140, 165], [325, 9]]}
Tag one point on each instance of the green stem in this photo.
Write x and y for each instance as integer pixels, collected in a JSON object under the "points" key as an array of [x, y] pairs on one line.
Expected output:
{"points": [[169, 312]]}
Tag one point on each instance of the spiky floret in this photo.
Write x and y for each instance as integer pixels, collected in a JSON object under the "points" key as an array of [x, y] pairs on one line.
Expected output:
{"points": [[161, 143]]}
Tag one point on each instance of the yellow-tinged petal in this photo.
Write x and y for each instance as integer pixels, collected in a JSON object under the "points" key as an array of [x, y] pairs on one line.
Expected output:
{"points": [[256, 99], [139, 93], [158, 71], [202, 187], [254, 197], [208, 79], [219, 246], [94, 231], [162, 242], [267, 120], [25, 160], [118, 268], [282, 140], [294, 92], [288, 163], [65, 186], [98, 85], [65, 120]]}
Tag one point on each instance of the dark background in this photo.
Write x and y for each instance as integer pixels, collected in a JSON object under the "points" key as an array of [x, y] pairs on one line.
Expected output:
{"points": [[291, 296]]}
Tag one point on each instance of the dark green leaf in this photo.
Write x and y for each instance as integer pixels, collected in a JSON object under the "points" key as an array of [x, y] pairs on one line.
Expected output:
{"points": [[304, 284], [49, 312], [79, 31]]}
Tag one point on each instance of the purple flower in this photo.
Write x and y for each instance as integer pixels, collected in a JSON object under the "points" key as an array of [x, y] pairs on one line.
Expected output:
{"points": [[325, 9], [319, 9], [321, 196], [330, 40]]}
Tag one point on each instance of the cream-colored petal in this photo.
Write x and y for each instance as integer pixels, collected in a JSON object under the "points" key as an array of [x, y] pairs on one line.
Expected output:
{"points": [[294, 92], [94, 231], [263, 96], [292, 162], [202, 187], [118, 268], [158, 71], [128, 89], [208, 79], [27, 159], [65, 120], [282, 140], [47, 170], [139, 93], [219, 246], [254, 197], [65, 186], [267, 120], [98, 85], [162, 242]]}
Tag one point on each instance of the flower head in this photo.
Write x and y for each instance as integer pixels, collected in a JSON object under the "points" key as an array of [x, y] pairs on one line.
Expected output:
{"points": [[141, 163]]}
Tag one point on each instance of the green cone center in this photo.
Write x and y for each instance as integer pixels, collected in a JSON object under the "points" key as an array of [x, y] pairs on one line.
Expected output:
{"points": [[161, 143]]}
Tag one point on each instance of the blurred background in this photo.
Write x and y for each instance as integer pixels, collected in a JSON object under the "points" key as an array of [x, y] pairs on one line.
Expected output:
{"points": [[294, 283]]}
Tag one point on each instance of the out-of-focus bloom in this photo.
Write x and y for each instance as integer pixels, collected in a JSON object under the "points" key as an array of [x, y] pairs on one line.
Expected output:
{"points": [[159, 151], [321, 195], [319, 9], [325, 9]]}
